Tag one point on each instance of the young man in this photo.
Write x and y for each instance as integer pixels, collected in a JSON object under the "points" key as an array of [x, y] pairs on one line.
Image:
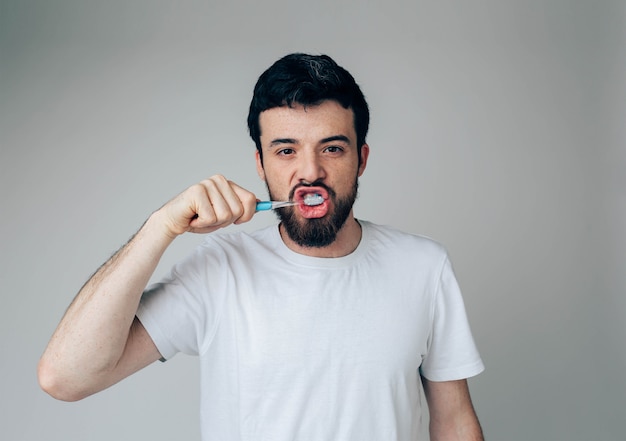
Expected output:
{"points": [[319, 329]]}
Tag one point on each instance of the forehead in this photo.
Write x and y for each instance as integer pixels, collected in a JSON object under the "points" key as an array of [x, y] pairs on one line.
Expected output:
{"points": [[311, 122]]}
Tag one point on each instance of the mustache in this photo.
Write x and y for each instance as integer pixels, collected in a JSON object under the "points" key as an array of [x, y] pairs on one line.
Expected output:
{"points": [[331, 192]]}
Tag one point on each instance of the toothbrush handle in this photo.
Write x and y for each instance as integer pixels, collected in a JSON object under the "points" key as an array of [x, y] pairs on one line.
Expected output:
{"points": [[272, 205], [264, 205]]}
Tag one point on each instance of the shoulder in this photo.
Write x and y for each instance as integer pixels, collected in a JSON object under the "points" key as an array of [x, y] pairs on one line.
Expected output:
{"points": [[221, 252], [230, 244], [388, 238], [236, 238]]}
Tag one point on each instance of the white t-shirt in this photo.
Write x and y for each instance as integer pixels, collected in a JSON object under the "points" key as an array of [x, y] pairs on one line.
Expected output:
{"points": [[294, 347]]}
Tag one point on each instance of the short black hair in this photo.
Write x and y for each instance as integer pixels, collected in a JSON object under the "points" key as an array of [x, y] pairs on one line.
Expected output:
{"points": [[307, 80]]}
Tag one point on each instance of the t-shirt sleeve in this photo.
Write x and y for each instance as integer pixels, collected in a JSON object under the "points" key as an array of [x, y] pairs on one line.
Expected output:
{"points": [[181, 312], [452, 353]]}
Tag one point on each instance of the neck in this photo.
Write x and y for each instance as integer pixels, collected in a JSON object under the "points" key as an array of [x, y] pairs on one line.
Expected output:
{"points": [[347, 240]]}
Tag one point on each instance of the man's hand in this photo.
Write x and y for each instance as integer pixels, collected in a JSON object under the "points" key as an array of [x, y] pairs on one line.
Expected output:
{"points": [[207, 206]]}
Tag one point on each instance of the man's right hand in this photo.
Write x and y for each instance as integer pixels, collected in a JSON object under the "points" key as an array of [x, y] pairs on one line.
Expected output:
{"points": [[207, 206]]}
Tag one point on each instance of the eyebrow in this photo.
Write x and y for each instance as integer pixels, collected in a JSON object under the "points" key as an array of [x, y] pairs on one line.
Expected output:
{"points": [[280, 141], [341, 138]]}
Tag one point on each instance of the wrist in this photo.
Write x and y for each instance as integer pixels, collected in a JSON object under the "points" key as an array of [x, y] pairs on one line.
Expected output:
{"points": [[158, 229]]}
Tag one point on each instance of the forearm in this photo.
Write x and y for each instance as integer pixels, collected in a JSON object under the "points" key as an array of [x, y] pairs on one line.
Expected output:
{"points": [[466, 428], [452, 415], [92, 335]]}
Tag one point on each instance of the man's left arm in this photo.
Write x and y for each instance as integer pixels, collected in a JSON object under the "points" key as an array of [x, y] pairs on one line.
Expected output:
{"points": [[452, 415]]}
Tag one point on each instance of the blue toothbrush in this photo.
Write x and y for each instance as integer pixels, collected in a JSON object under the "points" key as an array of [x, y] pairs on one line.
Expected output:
{"points": [[309, 199]]}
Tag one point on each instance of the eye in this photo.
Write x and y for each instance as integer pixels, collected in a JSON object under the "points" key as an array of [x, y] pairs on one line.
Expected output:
{"points": [[285, 152], [334, 149]]}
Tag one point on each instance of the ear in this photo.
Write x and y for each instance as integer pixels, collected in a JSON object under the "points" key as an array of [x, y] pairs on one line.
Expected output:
{"points": [[259, 166], [365, 152]]}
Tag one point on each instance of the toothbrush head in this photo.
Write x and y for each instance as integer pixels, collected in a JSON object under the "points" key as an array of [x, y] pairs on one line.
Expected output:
{"points": [[313, 199]]}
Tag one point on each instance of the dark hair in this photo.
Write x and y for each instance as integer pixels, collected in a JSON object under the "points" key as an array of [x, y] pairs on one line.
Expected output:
{"points": [[307, 80]]}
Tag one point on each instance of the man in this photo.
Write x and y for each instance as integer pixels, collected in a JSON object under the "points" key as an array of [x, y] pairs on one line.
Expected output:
{"points": [[319, 329]]}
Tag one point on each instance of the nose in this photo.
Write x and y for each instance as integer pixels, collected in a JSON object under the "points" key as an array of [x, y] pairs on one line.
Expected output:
{"points": [[310, 168]]}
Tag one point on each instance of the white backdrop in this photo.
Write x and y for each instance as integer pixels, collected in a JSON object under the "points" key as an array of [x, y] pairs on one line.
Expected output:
{"points": [[497, 129]]}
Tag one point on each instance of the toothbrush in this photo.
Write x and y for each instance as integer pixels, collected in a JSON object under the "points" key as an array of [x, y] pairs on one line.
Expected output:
{"points": [[310, 200]]}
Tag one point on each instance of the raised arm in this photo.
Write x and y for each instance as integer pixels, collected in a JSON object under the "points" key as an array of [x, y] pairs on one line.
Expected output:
{"points": [[452, 415], [99, 341]]}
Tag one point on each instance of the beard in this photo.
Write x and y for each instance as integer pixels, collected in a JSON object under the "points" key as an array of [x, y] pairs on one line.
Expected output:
{"points": [[317, 232]]}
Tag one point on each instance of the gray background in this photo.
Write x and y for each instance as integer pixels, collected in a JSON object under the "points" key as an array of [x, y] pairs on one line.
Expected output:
{"points": [[497, 129]]}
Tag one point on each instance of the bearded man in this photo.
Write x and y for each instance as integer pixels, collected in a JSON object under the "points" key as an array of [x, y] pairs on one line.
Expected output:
{"points": [[322, 327]]}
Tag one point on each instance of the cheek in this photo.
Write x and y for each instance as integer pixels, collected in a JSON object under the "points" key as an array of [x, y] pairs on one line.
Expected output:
{"points": [[349, 174], [277, 177], [277, 189]]}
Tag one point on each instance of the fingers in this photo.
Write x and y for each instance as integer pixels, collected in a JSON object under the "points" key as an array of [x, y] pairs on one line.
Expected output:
{"points": [[209, 205], [248, 202], [222, 204]]}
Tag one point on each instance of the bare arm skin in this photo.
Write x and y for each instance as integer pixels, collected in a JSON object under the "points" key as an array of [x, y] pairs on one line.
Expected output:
{"points": [[99, 341], [452, 416]]}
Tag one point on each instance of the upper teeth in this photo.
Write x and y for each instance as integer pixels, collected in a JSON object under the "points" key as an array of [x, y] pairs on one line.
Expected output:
{"points": [[313, 199]]}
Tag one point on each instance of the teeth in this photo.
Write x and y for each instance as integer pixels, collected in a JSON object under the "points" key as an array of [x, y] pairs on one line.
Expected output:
{"points": [[313, 199]]}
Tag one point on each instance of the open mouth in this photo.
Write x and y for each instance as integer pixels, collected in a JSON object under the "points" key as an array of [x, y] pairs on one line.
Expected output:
{"points": [[310, 196], [313, 201]]}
